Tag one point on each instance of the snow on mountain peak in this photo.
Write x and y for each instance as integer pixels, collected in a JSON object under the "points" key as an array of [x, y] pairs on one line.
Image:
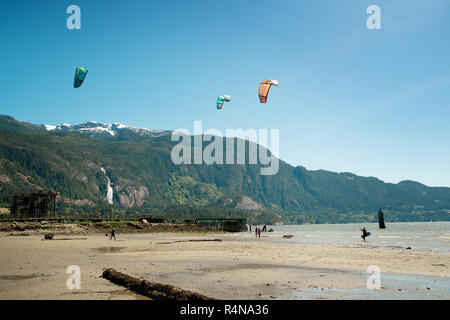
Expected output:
{"points": [[94, 128], [49, 127]]}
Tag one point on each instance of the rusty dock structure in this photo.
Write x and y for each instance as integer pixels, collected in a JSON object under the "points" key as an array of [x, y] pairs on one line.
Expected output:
{"points": [[40, 206], [229, 224]]}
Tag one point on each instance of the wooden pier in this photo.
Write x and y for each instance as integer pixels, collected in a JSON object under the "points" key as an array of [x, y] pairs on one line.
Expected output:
{"points": [[222, 224], [40, 206], [230, 225]]}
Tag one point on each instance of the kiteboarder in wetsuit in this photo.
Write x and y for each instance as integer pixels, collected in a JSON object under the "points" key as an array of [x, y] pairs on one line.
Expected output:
{"points": [[365, 234]]}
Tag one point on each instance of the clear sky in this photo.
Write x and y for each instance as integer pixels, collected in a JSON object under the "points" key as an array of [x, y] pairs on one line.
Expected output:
{"points": [[350, 99]]}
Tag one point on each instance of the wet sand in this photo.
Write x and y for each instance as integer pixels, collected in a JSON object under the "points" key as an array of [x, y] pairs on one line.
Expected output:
{"points": [[239, 267]]}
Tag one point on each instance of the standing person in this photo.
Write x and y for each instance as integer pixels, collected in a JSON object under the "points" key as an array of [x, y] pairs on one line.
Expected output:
{"points": [[381, 219], [113, 234], [259, 233], [256, 231]]}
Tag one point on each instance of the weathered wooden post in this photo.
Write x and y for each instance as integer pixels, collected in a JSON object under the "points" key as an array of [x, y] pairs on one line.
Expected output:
{"points": [[381, 219]]}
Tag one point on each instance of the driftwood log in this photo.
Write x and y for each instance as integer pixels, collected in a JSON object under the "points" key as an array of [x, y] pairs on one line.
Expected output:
{"points": [[149, 289], [192, 240], [51, 236], [69, 239]]}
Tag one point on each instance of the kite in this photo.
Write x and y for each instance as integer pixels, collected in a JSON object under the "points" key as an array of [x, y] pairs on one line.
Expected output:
{"points": [[221, 100], [264, 88], [80, 74]]}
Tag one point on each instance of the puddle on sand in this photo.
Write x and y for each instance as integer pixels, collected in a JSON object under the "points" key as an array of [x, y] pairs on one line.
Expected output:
{"points": [[136, 296], [23, 277], [114, 294], [109, 249], [393, 287]]}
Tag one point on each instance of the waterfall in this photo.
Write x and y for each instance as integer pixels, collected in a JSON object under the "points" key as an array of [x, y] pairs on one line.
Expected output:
{"points": [[109, 192]]}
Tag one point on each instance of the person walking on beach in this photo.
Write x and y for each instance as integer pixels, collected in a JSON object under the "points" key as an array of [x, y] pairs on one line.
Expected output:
{"points": [[256, 231], [259, 233], [113, 234]]}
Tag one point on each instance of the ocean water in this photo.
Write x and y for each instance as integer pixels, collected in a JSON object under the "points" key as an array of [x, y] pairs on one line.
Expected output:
{"points": [[426, 236]]}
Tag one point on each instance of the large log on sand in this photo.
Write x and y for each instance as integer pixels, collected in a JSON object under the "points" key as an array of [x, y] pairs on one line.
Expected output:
{"points": [[155, 291]]}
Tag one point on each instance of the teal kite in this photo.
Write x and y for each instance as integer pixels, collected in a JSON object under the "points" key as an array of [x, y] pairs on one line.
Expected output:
{"points": [[221, 99], [80, 74]]}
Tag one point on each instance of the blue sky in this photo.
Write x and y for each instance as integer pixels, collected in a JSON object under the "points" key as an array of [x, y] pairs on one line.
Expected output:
{"points": [[371, 102]]}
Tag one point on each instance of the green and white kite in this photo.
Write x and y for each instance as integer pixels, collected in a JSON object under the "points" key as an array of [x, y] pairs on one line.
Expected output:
{"points": [[80, 74]]}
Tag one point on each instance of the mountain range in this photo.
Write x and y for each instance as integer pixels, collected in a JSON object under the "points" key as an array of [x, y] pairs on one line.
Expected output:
{"points": [[99, 168], [97, 129]]}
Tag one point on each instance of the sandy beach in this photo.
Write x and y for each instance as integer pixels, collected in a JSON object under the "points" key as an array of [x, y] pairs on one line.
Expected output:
{"points": [[238, 267]]}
